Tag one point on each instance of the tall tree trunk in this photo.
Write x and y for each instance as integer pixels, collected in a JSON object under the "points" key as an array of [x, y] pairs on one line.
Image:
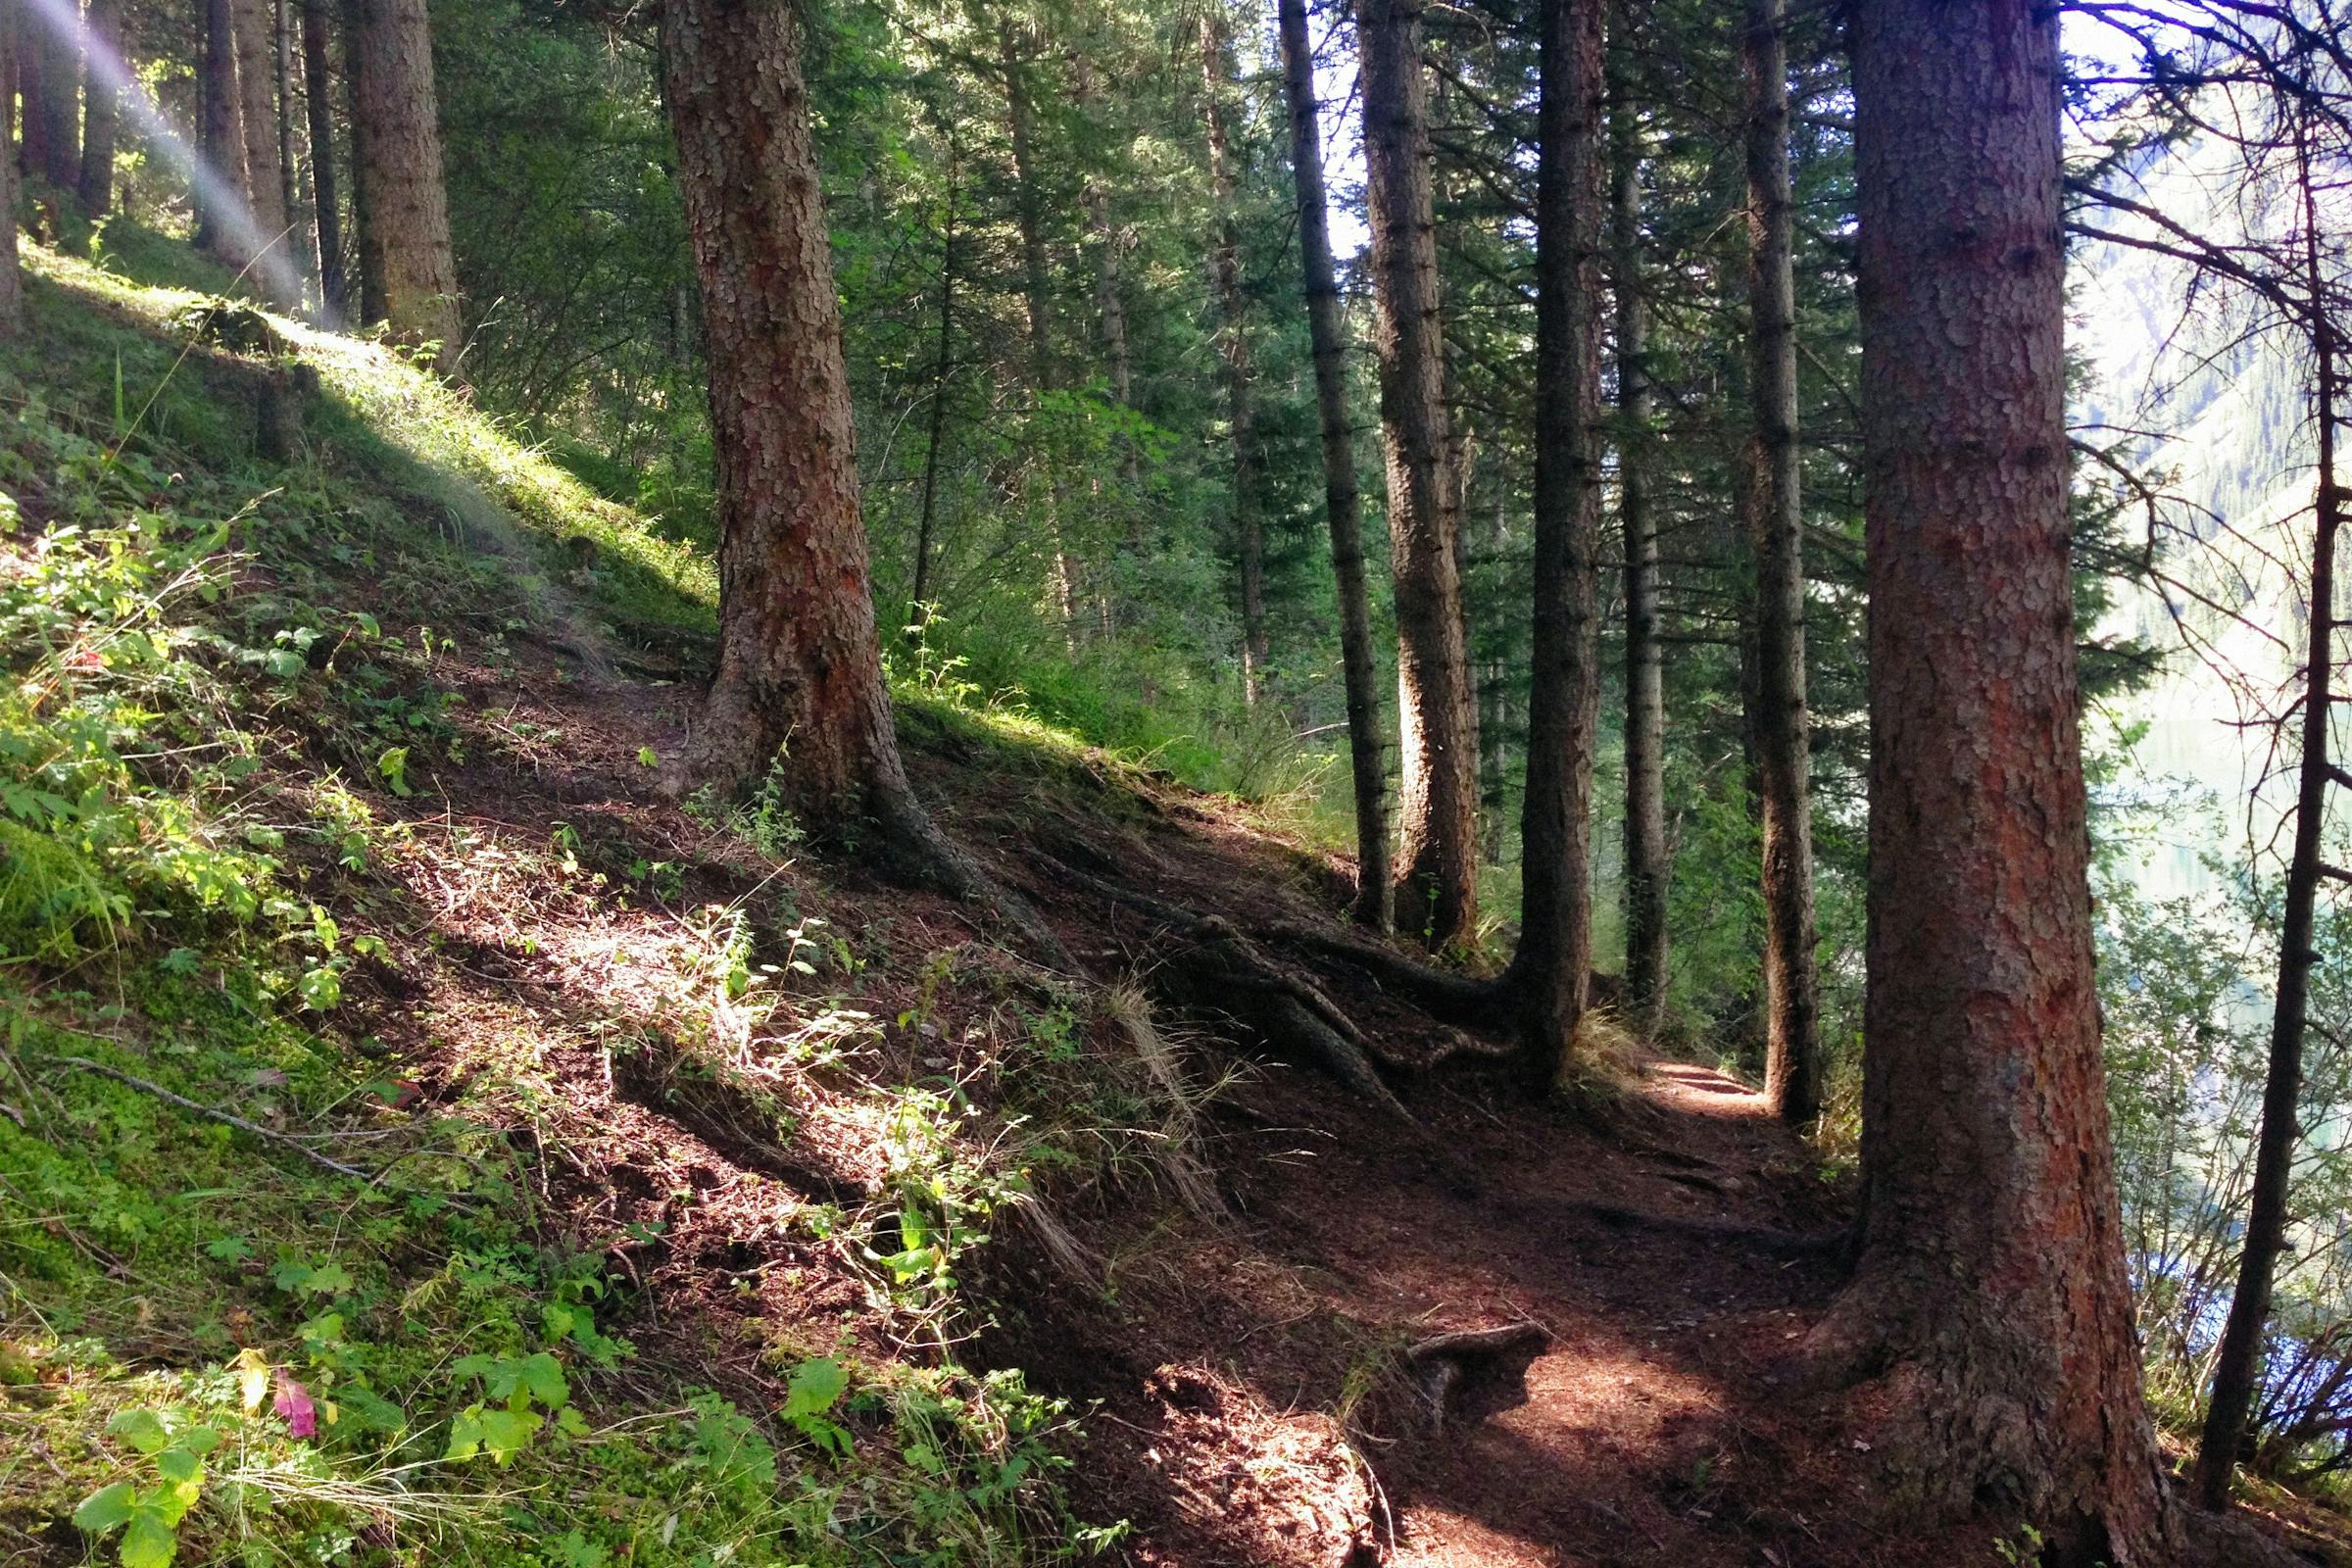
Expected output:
{"points": [[224, 226], [1555, 914], [12, 280], [257, 116], [53, 105], [100, 105], [1249, 524], [29, 86], [1990, 1288], [2237, 1363], [368, 246], [1435, 877], [918, 610], [408, 203], [1342, 505], [1111, 305], [799, 657], [299, 243], [1036, 290], [318, 92], [1647, 875], [1775, 532]]}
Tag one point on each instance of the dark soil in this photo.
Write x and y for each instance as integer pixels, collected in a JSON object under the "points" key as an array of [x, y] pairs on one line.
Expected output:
{"points": [[1244, 1374]]}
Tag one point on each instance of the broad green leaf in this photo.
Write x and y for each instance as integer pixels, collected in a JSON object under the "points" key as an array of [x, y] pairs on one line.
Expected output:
{"points": [[104, 1508], [148, 1542], [143, 1430]]}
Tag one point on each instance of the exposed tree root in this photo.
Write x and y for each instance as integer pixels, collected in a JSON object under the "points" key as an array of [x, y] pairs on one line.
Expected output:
{"points": [[1456, 998], [1214, 967], [919, 851], [1778, 1243], [1444, 1367]]}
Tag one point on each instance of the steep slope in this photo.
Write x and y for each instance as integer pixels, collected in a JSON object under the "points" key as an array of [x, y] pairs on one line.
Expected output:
{"points": [[421, 1144]]}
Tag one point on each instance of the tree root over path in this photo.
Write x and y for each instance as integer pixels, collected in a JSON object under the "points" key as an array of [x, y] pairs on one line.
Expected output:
{"points": [[1442, 1367]]}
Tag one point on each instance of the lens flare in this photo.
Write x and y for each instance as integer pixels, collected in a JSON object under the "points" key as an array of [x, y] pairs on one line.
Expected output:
{"points": [[215, 195]]}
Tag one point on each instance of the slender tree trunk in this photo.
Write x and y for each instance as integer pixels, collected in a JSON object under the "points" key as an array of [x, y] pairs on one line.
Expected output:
{"points": [[256, 117], [365, 219], [919, 612], [1775, 532], [318, 92], [100, 108], [799, 656], [2237, 1362], [407, 202], [1435, 877], [29, 85], [224, 225], [299, 243], [1111, 305], [1036, 289], [1342, 505], [1249, 525], [1990, 1290], [1556, 918], [1647, 875], [1494, 714], [12, 280]]}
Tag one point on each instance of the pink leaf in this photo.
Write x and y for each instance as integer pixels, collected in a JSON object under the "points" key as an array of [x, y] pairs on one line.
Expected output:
{"points": [[294, 1403]]}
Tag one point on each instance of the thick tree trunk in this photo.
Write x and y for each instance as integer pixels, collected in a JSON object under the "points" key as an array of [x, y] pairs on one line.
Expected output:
{"points": [[49, 73], [1775, 532], [318, 92], [1553, 963], [1647, 875], [2237, 1363], [799, 657], [408, 205], [1991, 1286], [224, 226], [1249, 524], [1437, 872], [1342, 505], [256, 117], [369, 250], [100, 107]]}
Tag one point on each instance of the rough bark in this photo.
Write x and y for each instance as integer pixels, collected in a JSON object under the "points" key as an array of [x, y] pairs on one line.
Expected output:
{"points": [[368, 250], [1110, 304], [223, 224], [318, 92], [100, 107], [299, 240], [2236, 1367], [1647, 875], [800, 669], [1249, 523], [400, 153], [257, 118], [1435, 875], [1991, 1287], [1548, 972], [1775, 533], [1343, 503]]}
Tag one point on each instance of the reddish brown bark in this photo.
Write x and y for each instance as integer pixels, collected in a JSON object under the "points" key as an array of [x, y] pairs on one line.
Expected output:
{"points": [[1990, 1288], [251, 26], [1553, 962], [1437, 872], [405, 228], [366, 248]]}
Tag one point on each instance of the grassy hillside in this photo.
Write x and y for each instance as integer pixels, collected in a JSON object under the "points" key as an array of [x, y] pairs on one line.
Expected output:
{"points": [[319, 937]]}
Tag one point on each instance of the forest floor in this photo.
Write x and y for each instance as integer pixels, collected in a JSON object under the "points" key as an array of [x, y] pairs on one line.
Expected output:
{"points": [[815, 1144]]}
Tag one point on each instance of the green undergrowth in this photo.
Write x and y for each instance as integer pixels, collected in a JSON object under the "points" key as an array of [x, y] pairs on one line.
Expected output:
{"points": [[258, 1302]]}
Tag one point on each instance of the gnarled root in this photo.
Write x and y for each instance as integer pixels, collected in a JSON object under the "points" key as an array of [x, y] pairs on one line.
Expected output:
{"points": [[1213, 967]]}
